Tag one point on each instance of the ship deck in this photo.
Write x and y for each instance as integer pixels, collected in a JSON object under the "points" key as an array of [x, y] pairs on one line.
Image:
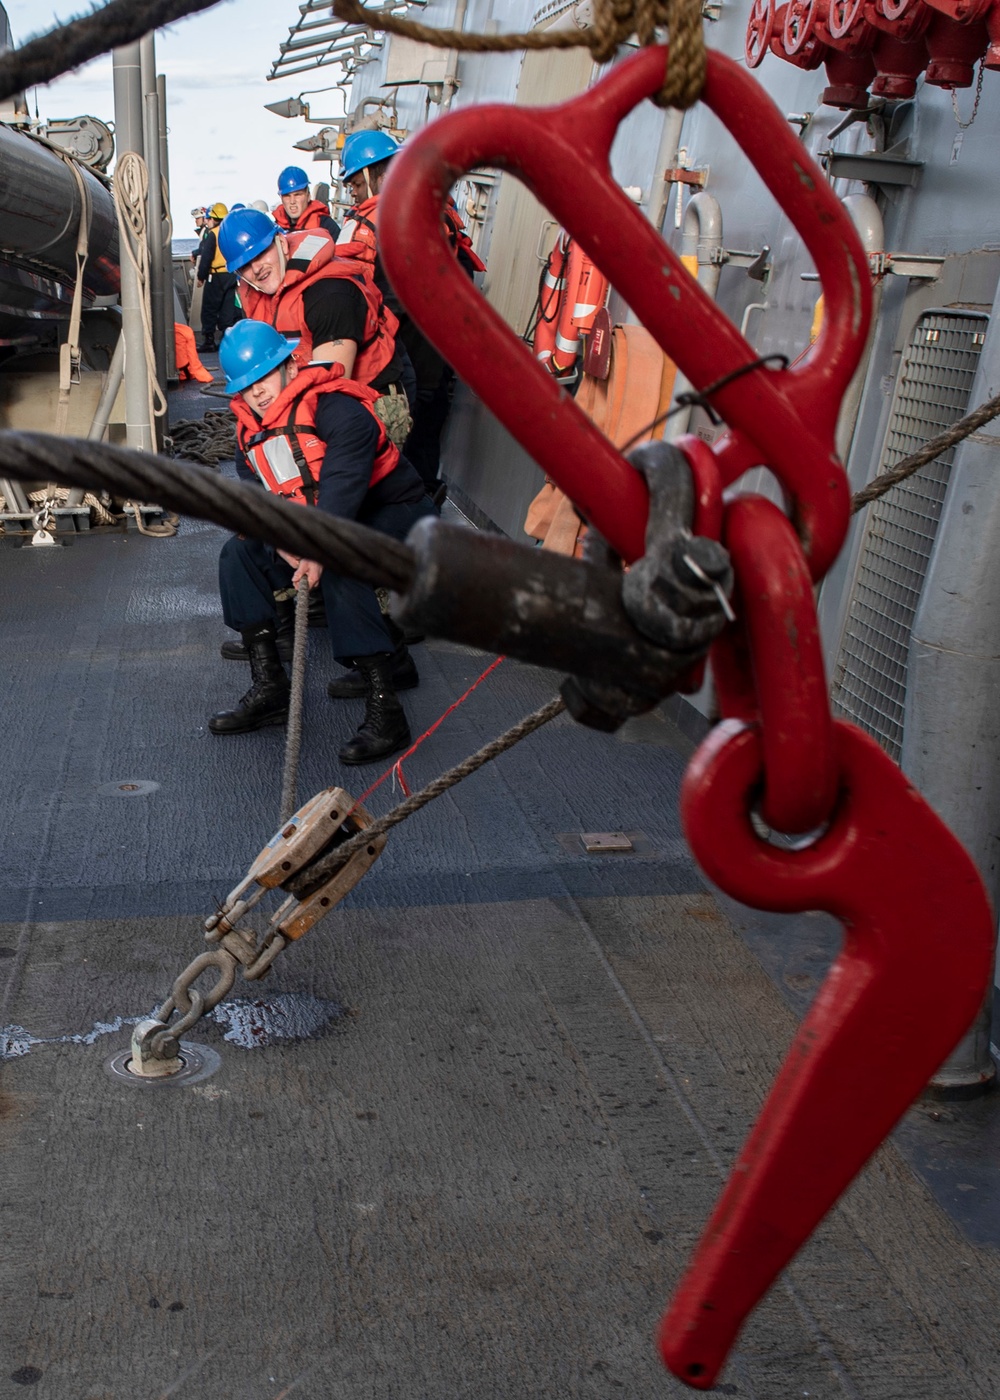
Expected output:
{"points": [[463, 1139]]}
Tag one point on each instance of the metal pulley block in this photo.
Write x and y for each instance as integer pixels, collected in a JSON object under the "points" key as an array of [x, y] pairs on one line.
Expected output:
{"points": [[323, 823]]}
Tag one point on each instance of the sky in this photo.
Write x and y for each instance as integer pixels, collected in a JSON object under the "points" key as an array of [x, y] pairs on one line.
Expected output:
{"points": [[223, 144]]}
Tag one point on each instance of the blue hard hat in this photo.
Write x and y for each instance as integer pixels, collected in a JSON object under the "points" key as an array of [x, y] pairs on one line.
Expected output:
{"points": [[243, 235], [365, 148], [234, 207], [249, 350], [292, 178]]}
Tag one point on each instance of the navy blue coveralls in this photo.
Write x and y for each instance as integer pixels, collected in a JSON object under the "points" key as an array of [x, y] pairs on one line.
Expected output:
{"points": [[250, 573]]}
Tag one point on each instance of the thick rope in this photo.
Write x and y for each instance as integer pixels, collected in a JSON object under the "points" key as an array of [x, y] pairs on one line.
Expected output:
{"points": [[614, 23], [884, 482], [58, 495], [321, 870], [210, 440], [131, 190], [342, 545], [293, 740], [68, 45]]}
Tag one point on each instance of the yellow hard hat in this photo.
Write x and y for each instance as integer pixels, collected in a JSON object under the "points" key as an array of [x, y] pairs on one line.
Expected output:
{"points": [[218, 211]]}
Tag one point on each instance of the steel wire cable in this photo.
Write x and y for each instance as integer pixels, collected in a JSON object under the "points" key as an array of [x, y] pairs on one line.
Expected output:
{"points": [[68, 45], [338, 544]]}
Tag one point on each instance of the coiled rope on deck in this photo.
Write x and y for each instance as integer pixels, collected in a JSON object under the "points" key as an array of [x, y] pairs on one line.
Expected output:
{"points": [[614, 23], [209, 440]]}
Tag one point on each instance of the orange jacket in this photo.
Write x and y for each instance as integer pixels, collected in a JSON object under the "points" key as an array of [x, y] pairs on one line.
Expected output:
{"points": [[283, 448], [310, 259]]}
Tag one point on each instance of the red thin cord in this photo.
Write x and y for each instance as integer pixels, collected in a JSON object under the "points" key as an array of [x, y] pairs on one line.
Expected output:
{"points": [[397, 768]]}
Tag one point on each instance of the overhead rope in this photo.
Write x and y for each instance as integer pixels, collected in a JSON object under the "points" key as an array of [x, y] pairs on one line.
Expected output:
{"points": [[885, 481], [614, 22], [69, 45]]}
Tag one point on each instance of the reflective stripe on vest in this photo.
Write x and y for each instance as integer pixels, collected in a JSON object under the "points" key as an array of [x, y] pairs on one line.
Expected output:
{"points": [[283, 447], [312, 257]]}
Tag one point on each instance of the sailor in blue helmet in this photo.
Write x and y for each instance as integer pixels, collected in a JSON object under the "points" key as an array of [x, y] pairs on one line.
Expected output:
{"points": [[312, 435], [364, 164], [298, 209]]}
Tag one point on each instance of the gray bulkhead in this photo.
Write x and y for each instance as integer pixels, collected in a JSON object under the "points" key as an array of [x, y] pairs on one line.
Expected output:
{"points": [[905, 558]]}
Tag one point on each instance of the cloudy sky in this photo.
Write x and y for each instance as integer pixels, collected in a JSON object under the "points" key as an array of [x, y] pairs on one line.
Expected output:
{"points": [[223, 145]]}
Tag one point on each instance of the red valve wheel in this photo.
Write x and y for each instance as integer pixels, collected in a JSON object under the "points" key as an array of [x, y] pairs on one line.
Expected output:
{"points": [[898, 9], [843, 14], [760, 27], [800, 24]]}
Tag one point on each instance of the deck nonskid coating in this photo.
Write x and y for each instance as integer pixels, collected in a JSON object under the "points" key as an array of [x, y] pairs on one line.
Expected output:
{"points": [[481, 1179]]}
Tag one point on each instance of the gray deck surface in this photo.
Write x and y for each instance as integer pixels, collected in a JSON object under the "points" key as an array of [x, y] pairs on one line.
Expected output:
{"points": [[519, 1076]]}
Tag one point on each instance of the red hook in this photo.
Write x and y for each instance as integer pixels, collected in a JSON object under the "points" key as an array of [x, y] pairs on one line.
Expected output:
{"points": [[886, 1016], [784, 419]]}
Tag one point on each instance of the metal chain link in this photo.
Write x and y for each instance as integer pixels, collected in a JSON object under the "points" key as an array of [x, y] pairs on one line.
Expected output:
{"points": [[964, 126]]}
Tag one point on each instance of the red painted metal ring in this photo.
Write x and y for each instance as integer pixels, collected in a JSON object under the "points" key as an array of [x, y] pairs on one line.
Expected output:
{"points": [[783, 419], [775, 603]]}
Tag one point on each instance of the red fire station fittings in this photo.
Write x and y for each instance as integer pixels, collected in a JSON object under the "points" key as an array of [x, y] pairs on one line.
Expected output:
{"points": [[878, 45]]}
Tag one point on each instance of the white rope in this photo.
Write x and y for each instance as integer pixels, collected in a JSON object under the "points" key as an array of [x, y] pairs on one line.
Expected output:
{"points": [[131, 190]]}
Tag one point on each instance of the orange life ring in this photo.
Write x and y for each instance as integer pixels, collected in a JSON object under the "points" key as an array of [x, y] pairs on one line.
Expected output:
{"points": [[585, 294], [551, 294]]}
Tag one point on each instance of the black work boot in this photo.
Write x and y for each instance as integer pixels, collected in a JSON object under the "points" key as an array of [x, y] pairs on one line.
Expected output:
{"points": [[352, 685], [208, 346], [266, 702], [384, 729], [237, 651]]}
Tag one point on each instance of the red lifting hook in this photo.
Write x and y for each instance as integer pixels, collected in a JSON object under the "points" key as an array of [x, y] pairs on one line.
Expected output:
{"points": [[919, 931], [917, 956]]}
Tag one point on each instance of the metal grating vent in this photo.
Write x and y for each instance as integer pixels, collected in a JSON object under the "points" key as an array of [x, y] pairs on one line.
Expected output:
{"points": [[933, 392]]}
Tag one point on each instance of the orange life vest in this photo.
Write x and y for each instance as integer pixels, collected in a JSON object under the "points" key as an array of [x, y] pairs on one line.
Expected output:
{"points": [[283, 448], [358, 232], [309, 218], [310, 259], [458, 238]]}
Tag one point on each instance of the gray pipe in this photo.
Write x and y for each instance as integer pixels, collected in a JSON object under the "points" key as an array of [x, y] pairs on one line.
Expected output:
{"points": [[129, 137], [102, 413], [13, 494], [450, 85], [666, 159], [702, 233], [154, 204], [951, 734], [168, 252], [867, 219]]}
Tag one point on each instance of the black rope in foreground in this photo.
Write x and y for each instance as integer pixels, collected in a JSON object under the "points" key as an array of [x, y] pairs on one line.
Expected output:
{"points": [[68, 45], [342, 545], [322, 869]]}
